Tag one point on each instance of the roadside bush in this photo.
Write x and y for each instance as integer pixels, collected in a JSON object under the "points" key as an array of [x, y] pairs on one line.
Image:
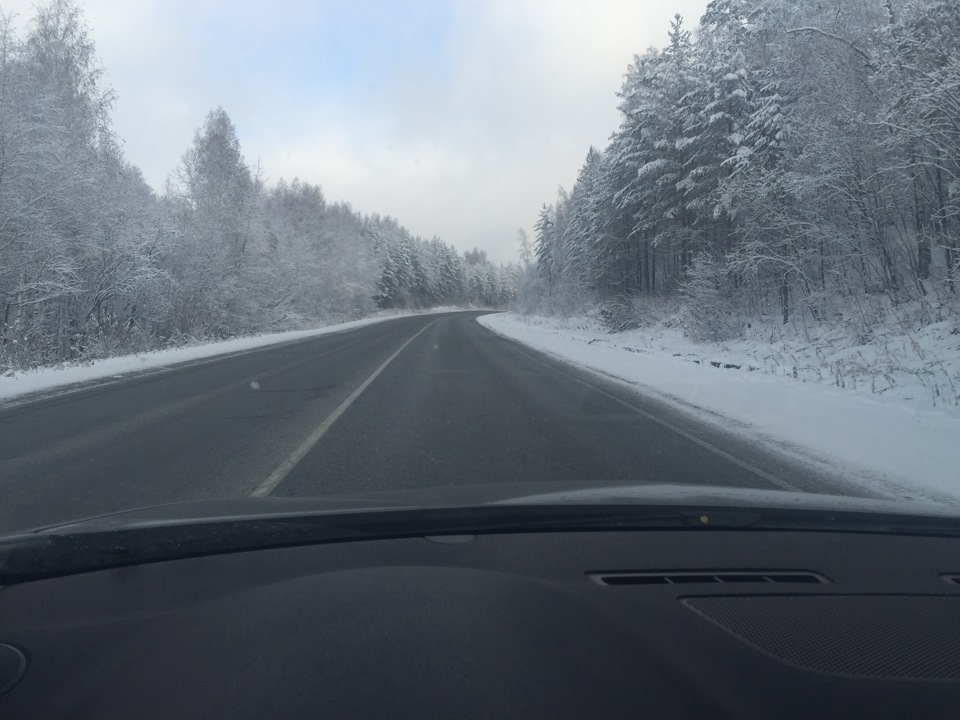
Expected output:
{"points": [[711, 312], [619, 314]]}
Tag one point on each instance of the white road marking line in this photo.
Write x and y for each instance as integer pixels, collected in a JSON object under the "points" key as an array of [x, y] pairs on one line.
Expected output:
{"points": [[779, 482], [277, 476]]}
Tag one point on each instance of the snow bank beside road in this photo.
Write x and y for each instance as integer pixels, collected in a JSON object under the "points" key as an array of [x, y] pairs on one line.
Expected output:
{"points": [[897, 446], [49, 379]]}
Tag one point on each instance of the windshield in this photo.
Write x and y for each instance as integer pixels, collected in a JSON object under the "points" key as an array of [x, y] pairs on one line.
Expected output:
{"points": [[453, 254]]}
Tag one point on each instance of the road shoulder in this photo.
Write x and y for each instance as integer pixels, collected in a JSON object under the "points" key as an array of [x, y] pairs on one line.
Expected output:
{"points": [[895, 449]]}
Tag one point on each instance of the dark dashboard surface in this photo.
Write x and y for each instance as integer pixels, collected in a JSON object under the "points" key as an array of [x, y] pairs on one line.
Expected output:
{"points": [[659, 624]]}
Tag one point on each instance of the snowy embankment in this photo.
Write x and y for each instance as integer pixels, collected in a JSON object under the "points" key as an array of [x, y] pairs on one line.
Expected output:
{"points": [[899, 445], [43, 380]]}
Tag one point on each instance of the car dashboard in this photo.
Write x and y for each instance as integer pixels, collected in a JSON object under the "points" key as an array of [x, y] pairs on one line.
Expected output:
{"points": [[660, 624]]}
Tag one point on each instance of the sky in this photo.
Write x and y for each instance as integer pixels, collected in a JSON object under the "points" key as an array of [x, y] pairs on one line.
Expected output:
{"points": [[458, 118]]}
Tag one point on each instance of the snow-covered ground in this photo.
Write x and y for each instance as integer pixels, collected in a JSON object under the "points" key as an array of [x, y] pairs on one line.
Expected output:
{"points": [[13, 385], [898, 443]]}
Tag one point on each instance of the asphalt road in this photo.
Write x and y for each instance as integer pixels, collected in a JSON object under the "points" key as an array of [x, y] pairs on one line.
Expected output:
{"points": [[414, 402]]}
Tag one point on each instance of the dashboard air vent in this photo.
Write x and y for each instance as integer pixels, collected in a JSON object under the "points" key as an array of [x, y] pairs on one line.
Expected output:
{"points": [[688, 577]]}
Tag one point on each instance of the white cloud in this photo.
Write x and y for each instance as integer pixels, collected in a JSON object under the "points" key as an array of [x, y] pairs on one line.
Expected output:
{"points": [[532, 88]]}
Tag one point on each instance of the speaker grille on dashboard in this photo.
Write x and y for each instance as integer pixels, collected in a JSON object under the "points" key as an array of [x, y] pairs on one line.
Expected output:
{"points": [[910, 637]]}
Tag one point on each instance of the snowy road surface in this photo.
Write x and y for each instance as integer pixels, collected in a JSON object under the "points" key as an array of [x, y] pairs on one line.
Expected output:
{"points": [[414, 402]]}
